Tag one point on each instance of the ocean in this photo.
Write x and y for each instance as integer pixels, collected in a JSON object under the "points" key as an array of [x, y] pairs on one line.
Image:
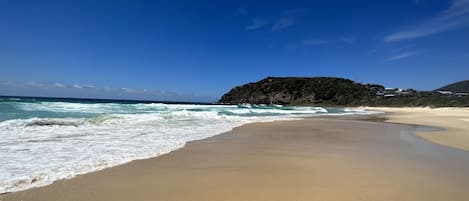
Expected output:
{"points": [[47, 139]]}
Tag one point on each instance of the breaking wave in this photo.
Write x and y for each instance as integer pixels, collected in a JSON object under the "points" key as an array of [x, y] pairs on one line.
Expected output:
{"points": [[41, 142]]}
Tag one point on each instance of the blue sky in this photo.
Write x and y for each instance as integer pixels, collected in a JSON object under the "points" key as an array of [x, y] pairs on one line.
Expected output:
{"points": [[197, 50]]}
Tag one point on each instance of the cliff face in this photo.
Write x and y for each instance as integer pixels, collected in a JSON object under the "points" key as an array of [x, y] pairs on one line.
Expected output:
{"points": [[300, 91]]}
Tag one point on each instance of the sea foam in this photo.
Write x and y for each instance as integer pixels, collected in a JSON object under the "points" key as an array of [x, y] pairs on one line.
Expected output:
{"points": [[41, 142]]}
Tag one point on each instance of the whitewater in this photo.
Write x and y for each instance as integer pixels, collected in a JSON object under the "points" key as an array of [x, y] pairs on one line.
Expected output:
{"points": [[49, 140]]}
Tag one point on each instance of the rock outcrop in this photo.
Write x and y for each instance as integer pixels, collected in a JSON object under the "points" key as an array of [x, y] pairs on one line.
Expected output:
{"points": [[300, 91]]}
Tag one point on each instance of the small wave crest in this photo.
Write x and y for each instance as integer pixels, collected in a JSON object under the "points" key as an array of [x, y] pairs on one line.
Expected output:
{"points": [[53, 122]]}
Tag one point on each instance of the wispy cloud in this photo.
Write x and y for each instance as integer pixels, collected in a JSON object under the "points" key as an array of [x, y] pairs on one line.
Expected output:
{"points": [[282, 23], [347, 40], [257, 23], [456, 16], [403, 55], [288, 18], [89, 86], [35, 84], [129, 90], [312, 42], [59, 85], [77, 86]]}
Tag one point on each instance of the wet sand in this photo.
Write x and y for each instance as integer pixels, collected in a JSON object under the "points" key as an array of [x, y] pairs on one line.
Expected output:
{"points": [[324, 159], [455, 122]]}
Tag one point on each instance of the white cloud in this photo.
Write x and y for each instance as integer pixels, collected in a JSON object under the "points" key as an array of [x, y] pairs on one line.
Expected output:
{"points": [[59, 85], [288, 18], [35, 84], [89, 86], [403, 55], [257, 23], [347, 40], [77, 86], [456, 16], [128, 90]]}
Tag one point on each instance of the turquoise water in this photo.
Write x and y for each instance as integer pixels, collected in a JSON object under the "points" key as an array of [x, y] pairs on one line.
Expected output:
{"points": [[29, 107], [47, 139]]}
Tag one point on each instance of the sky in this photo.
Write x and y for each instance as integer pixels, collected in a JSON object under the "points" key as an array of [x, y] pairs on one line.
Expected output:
{"points": [[198, 50]]}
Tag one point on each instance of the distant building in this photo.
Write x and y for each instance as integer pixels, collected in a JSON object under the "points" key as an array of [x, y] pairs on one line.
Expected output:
{"points": [[392, 92], [461, 94], [445, 92]]}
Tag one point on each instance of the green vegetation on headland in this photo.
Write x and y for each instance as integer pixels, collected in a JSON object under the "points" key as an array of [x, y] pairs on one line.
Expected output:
{"points": [[329, 91], [461, 87]]}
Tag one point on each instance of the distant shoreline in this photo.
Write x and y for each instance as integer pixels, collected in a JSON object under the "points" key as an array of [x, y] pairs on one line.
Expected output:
{"points": [[132, 101], [98, 100]]}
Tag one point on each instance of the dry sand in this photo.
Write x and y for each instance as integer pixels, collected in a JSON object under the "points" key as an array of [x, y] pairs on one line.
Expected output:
{"points": [[455, 121], [313, 159]]}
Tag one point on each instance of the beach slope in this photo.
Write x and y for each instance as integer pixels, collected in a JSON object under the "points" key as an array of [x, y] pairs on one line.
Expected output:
{"points": [[314, 159], [454, 121]]}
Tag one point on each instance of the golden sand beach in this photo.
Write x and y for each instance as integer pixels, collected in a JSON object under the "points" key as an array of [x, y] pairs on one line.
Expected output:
{"points": [[327, 159], [455, 121]]}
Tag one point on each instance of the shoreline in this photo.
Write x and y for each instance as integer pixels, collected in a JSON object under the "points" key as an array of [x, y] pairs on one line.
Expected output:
{"points": [[234, 158], [338, 115], [35, 184], [453, 121]]}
